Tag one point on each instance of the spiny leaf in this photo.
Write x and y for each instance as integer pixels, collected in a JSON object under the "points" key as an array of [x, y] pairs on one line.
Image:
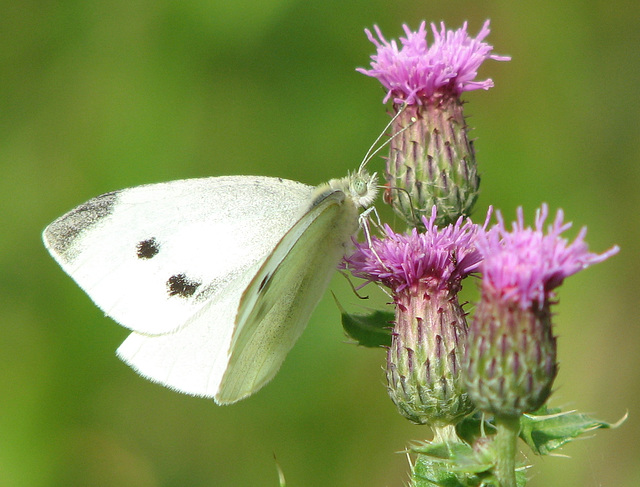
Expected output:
{"points": [[548, 429], [456, 465]]}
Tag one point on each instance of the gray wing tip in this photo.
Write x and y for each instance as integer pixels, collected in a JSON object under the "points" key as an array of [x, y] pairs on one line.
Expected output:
{"points": [[59, 237]]}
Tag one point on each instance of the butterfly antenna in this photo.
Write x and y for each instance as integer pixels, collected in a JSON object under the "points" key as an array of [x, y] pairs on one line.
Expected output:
{"points": [[371, 152]]}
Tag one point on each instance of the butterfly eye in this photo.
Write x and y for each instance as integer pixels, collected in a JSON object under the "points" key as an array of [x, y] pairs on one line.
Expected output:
{"points": [[360, 186]]}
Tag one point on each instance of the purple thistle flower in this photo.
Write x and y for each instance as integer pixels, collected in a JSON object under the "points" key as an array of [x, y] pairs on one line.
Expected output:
{"points": [[416, 72], [438, 257], [431, 159], [510, 362], [525, 265], [424, 272]]}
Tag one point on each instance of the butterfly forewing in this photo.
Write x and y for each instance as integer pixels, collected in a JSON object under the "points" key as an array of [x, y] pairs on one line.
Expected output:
{"points": [[279, 300], [152, 256]]}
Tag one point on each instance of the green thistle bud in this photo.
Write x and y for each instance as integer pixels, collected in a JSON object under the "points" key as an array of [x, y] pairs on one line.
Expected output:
{"points": [[424, 272], [511, 365], [432, 162], [424, 360]]}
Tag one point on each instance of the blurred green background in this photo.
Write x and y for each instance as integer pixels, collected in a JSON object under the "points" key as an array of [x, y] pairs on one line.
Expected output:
{"points": [[102, 95]]}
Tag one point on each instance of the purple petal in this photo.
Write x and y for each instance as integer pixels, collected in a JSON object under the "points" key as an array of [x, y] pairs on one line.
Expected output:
{"points": [[416, 73]]}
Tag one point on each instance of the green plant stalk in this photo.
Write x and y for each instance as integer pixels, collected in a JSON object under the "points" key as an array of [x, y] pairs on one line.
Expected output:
{"points": [[508, 429], [445, 434]]}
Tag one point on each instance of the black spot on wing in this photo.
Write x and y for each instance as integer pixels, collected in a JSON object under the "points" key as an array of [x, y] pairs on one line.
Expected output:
{"points": [[147, 248], [62, 233], [180, 285]]}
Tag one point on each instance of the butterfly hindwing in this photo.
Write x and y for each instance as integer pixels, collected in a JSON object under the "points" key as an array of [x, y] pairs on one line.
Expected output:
{"points": [[194, 358]]}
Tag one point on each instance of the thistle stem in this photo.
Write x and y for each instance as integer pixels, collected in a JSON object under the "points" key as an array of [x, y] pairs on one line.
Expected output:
{"points": [[506, 441], [445, 434]]}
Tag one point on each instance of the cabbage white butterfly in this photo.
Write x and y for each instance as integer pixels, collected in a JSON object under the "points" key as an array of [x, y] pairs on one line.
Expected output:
{"points": [[216, 277]]}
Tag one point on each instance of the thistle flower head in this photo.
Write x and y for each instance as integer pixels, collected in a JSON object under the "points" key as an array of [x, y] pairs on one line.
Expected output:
{"points": [[431, 158], [510, 362], [438, 257], [525, 265], [416, 72], [424, 272]]}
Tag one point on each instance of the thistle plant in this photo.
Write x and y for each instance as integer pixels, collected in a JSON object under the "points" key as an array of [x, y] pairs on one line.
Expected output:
{"points": [[432, 160], [511, 357], [510, 362], [424, 272], [481, 386]]}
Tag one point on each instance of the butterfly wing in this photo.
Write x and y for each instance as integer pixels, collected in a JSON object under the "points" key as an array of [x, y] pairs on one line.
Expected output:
{"points": [[270, 304], [278, 302], [194, 358], [216, 277], [152, 257]]}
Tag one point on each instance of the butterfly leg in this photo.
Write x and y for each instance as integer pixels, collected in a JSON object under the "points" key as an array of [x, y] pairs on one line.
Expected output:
{"points": [[364, 224]]}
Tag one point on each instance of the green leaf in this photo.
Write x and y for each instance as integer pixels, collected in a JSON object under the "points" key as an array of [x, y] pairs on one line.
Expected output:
{"points": [[548, 429], [447, 465], [456, 465], [281, 479], [373, 330]]}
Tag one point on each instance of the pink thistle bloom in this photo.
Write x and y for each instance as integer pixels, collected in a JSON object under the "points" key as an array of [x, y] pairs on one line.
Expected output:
{"points": [[416, 73], [424, 272], [438, 257], [510, 361], [525, 265]]}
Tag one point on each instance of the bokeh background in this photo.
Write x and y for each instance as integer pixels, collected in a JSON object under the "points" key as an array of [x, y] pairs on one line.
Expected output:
{"points": [[102, 95]]}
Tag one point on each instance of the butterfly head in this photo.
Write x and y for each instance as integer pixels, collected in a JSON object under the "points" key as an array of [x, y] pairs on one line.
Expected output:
{"points": [[362, 187]]}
